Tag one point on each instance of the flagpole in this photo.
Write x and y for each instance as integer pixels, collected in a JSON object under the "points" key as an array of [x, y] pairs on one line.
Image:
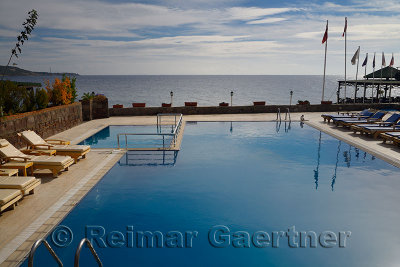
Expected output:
{"points": [[380, 83], [326, 48], [345, 59], [365, 77], [358, 63], [391, 77], [373, 80]]}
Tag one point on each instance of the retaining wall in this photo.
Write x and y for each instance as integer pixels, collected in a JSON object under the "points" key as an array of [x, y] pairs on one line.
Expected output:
{"points": [[149, 111], [45, 122]]}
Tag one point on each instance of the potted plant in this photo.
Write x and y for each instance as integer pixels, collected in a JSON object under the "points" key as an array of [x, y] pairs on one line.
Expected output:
{"points": [[301, 102], [166, 105], [138, 105], [326, 102], [259, 103], [190, 104], [223, 104], [100, 107]]}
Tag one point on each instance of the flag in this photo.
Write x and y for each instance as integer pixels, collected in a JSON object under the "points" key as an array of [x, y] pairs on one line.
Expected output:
{"points": [[354, 58], [383, 60], [391, 61], [373, 62], [365, 60], [345, 26], [325, 38]]}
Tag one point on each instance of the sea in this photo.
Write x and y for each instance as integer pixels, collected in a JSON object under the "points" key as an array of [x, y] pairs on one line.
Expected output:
{"points": [[206, 90]]}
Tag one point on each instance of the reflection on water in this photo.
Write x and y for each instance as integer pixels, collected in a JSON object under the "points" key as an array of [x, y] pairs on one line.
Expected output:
{"points": [[347, 160], [316, 171], [336, 164], [149, 158], [287, 126], [103, 134]]}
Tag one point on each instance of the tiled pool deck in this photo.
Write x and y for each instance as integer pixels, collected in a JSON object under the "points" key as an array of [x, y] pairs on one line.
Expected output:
{"points": [[37, 214]]}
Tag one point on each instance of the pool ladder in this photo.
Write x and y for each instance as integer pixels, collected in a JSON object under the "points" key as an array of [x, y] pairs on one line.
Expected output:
{"points": [[57, 259], [287, 115]]}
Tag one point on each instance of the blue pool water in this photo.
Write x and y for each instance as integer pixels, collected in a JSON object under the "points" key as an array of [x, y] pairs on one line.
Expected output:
{"points": [[107, 137], [247, 177]]}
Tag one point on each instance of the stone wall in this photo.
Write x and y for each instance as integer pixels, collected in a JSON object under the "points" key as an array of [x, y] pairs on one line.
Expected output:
{"points": [[246, 109], [45, 122], [95, 109]]}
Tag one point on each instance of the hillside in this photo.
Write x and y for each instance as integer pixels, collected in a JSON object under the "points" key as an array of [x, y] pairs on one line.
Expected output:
{"points": [[14, 71]]}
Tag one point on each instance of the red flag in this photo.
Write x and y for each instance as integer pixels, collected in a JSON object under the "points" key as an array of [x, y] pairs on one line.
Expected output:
{"points": [[345, 26], [391, 61], [326, 34]]}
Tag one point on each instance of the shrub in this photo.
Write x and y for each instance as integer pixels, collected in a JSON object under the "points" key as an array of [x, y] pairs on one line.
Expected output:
{"points": [[29, 102], [11, 97], [100, 98], [60, 93], [72, 87], [87, 96], [42, 99]]}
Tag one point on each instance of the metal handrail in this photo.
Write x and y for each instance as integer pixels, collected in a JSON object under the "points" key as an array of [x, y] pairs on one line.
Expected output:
{"points": [[160, 115], [47, 245], [173, 134], [78, 252], [278, 113]]}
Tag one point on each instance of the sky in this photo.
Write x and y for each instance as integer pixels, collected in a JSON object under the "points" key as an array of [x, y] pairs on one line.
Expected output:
{"points": [[198, 37]]}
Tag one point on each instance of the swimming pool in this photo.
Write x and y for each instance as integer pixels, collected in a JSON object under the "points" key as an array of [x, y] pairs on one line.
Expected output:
{"points": [[247, 177]]}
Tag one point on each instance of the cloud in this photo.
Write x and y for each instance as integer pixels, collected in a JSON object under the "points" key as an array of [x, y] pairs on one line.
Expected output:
{"points": [[267, 20], [250, 13], [146, 38]]}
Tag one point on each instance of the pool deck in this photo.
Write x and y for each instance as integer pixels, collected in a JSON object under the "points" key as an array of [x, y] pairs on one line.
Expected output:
{"points": [[38, 214]]}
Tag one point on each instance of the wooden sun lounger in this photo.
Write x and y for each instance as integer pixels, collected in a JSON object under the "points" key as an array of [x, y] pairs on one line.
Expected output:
{"points": [[377, 117], [391, 136], [54, 163], [34, 141], [26, 184], [9, 197], [347, 115], [378, 127]]}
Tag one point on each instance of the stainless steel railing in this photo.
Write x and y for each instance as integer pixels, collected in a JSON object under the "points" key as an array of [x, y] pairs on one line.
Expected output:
{"points": [[47, 245], [159, 140], [91, 248]]}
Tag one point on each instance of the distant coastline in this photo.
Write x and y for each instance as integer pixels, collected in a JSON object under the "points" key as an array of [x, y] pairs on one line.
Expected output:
{"points": [[14, 71]]}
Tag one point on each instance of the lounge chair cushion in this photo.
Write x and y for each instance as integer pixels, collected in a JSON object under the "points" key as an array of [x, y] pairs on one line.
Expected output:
{"points": [[71, 148], [32, 138], [3, 142], [8, 194], [17, 182], [8, 150], [51, 160]]}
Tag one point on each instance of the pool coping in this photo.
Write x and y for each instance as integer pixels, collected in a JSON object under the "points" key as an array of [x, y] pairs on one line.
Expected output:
{"points": [[17, 251], [356, 143], [48, 220]]}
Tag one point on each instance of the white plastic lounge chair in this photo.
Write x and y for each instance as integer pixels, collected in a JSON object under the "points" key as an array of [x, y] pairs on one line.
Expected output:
{"points": [[54, 163], [26, 184], [34, 141], [9, 197]]}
